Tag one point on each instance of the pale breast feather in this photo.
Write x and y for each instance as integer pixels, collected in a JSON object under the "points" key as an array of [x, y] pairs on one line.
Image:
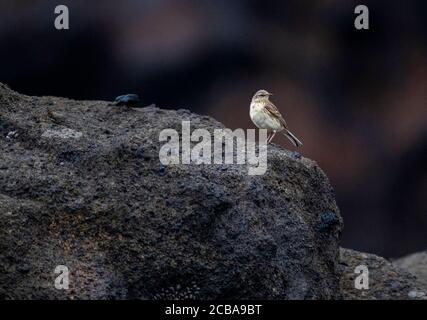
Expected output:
{"points": [[263, 119]]}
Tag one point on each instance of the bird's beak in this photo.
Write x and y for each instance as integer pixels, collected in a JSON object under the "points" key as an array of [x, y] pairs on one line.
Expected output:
{"points": [[270, 94]]}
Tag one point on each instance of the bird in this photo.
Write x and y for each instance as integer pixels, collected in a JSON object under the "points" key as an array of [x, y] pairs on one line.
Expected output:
{"points": [[265, 115]]}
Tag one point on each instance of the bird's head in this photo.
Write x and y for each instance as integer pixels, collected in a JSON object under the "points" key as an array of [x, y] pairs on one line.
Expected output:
{"points": [[261, 95]]}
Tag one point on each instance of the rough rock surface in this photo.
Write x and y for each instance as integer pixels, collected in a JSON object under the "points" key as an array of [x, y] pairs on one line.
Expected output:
{"points": [[386, 281], [81, 185], [416, 264]]}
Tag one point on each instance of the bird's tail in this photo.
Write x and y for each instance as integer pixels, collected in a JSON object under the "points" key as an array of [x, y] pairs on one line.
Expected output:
{"points": [[291, 137]]}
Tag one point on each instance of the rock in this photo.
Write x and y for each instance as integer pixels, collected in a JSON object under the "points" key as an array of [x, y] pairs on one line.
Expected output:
{"points": [[416, 264], [93, 196], [386, 281], [127, 100]]}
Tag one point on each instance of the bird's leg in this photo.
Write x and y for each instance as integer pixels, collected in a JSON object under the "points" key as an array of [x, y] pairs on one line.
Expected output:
{"points": [[271, 137], [268, 136]]}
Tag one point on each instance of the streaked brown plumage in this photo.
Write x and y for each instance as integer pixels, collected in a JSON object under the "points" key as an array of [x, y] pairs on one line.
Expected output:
{"points": [[265, 115]]}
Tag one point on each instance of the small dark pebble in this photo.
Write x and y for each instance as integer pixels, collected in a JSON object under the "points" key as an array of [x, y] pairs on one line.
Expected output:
{"points": [[127, 100]]}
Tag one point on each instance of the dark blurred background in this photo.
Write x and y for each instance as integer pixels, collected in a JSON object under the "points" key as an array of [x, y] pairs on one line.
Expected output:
{"points": [[357, 99]]}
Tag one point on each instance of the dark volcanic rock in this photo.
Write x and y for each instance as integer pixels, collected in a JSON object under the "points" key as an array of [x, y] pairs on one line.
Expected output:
{"points": [[416, 264], [386, 281], [81, 185]]}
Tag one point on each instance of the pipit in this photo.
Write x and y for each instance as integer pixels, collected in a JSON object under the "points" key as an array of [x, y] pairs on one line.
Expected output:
{"points": [[265, 115]]}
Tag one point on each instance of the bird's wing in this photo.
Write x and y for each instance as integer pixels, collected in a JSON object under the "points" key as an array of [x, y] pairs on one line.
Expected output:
{"points": [[274, 112]]}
